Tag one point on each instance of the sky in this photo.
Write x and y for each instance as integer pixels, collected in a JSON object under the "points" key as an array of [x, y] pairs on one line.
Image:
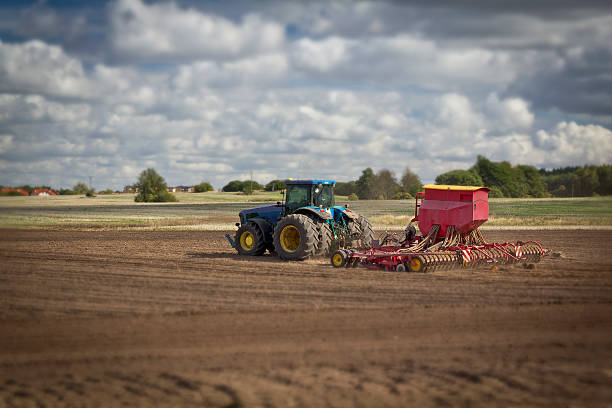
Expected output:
{"points": [[222, 90]]}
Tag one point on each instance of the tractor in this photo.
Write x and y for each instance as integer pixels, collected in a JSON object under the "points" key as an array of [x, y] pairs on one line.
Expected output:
{"points": [[306, 224]]}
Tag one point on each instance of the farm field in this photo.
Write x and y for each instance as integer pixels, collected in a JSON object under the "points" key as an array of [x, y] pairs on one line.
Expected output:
{"points": [[216, 210], [176, 318]]}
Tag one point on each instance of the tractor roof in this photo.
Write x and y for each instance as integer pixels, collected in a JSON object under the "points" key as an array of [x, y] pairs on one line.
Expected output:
{"points": [[310, 182]]}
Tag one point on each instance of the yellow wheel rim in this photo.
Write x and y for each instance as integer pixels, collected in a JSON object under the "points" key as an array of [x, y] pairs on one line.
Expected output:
{"points": [[290, 238], [337, 259], [415, 264], [247, 240]]}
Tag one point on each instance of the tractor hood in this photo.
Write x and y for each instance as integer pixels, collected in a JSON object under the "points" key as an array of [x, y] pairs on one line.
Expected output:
{"points": [[271, 213]]}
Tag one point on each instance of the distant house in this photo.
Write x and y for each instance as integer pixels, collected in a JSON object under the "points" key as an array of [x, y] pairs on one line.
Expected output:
{"points": [[181, 189], [130, 189], [15, 190], [43, 192]]}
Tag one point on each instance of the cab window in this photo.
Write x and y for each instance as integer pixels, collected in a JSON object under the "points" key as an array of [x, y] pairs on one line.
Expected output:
{"points": [[297, 196], [323, 196]]}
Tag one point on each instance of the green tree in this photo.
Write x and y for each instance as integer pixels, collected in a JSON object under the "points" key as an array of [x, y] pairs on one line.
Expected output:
{"points": [[501, 175], [203, 187], [532, 179], [345, 188], [27, 188], [248, 186], [411, 183], [578, 181], [152, 188], [366, 185], [275, 185], [386, 186], [80, 188], [459, 178], [495, 192], [587, 181], [605, 180], [402, 195], [232, 186]]}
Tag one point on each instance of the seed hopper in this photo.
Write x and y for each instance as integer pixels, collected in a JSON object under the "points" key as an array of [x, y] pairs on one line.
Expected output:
{"points": [[448, 218]]}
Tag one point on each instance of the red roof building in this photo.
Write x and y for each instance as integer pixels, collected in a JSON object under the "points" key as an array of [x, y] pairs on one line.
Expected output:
{"points": [[43, 192], [15, 190]]}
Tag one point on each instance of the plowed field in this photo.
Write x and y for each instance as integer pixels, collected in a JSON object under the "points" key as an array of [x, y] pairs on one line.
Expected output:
{"points": [[175, 318]]}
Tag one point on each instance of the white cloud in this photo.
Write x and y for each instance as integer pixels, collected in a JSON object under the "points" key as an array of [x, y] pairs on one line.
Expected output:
{"points": [[235, 96], [37, 67], [256, 71], [36, 108], [456, 113], [403, 59], [6, 143], [509, 113], [571, 143], [166, 31], [321, 55]]}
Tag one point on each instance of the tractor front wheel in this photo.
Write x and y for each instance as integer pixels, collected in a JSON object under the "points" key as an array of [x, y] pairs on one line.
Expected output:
{"points": [[295, 237], [250, 240]]}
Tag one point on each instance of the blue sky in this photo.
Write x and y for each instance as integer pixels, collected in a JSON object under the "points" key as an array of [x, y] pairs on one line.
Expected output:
{"points": [[216, 90]]}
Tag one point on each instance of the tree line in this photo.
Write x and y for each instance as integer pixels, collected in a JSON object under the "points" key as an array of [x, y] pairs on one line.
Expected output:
{"points": [[382, 185], [520, 181], [582, 181], [248, 186], [503, 179]]}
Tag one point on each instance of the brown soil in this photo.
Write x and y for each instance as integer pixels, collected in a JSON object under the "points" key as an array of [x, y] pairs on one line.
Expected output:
{"points": [[115, 318]]}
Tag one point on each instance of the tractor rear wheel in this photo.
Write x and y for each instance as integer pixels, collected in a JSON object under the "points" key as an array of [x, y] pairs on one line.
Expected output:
{"points": [[295, 237], [250, 240], [367, 233], [325, 238]]}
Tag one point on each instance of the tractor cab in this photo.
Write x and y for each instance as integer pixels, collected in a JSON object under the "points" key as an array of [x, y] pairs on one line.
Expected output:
{"points": [[309, 193]]}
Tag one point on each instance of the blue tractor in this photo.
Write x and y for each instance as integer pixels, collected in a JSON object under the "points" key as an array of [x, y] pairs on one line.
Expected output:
{"points": [[307, 224]]}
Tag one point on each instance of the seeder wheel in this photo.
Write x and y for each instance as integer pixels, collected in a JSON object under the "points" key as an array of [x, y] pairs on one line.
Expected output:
{"points": [[339, 258], [417, 264]]}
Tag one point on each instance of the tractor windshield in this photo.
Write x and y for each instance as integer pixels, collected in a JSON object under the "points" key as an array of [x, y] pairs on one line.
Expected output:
{"points": [[323, 196], [298, 195]]}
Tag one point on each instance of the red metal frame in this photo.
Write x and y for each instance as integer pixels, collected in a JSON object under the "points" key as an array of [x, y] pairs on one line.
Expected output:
{"points": [[420, 195], [465, 209], [389, 257]]}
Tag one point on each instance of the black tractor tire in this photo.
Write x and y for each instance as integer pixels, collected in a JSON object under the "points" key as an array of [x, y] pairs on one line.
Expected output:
{"points": [[361, 229], [295, 237], [250, 240], [324, 237], [325, 240], [366, 232]]}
